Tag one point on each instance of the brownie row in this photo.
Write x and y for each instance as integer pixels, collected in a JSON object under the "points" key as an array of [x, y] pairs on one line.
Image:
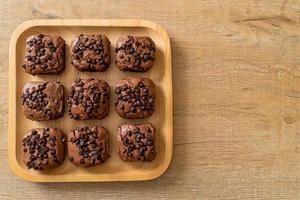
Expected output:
{"points": [[88, 146], [45, 54], [89, 99]]}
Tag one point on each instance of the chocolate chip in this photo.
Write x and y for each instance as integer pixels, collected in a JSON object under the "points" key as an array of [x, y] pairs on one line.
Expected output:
{"points": [[81, 143], [133, 109], [53, 152], [150, 143], [141, 84], [118, 90], [131, 50], [41, 36], [127, 59], [150, 100], [129, 133], [76, 49], [145, 58]]}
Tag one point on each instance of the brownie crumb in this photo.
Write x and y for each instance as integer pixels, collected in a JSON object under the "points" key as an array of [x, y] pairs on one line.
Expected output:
{"points": [[135, 98], [91, 53], [89, 99], [44, 54], [43, 148], [88, 146], [43, 100], [136, 142], [135, 54]]}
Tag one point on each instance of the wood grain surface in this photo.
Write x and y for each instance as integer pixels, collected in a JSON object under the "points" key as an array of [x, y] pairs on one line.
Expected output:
{"points": [[236, 84]]}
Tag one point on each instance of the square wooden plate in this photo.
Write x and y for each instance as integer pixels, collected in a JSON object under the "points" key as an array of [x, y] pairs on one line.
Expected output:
{"points": [[113, 169]]}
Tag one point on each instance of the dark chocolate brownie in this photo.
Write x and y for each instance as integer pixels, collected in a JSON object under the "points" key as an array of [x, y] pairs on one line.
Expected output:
{"points": [[44, 54], [43, 148], [135, 54], [134, 98], [91, 53], [88, 146], [136, 142], [89, 99], [43, 100]]}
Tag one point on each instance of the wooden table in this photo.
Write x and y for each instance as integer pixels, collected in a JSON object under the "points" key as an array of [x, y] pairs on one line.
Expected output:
{"points": [[236, 75]]}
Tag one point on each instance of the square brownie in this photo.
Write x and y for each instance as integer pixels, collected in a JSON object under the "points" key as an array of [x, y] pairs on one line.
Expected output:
{"points": [[89, 99], [43, 100], [88, 146], [136, 142], [135, 54], [44, 54], [135, 98], [91, 53], [43, 148]]}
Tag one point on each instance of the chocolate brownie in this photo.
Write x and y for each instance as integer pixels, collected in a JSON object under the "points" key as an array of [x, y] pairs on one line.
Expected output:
{"points": [[135, 54], [134, 98], [43, 148], [136, 142], [88, 146], [44, 54], [89, 99], [43, 100], [91, 53]]}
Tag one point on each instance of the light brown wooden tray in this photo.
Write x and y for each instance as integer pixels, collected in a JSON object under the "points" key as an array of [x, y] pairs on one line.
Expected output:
{"points": [[114, 169]]}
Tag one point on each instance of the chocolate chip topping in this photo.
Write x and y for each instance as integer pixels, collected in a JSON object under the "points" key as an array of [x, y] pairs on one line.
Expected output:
{"points": [[91, 53], [88, 146], [42, 148], [35, 99], [134, 98], [136, 54], [89, 99], [43, 100], [136, 142], [44, 54]]}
